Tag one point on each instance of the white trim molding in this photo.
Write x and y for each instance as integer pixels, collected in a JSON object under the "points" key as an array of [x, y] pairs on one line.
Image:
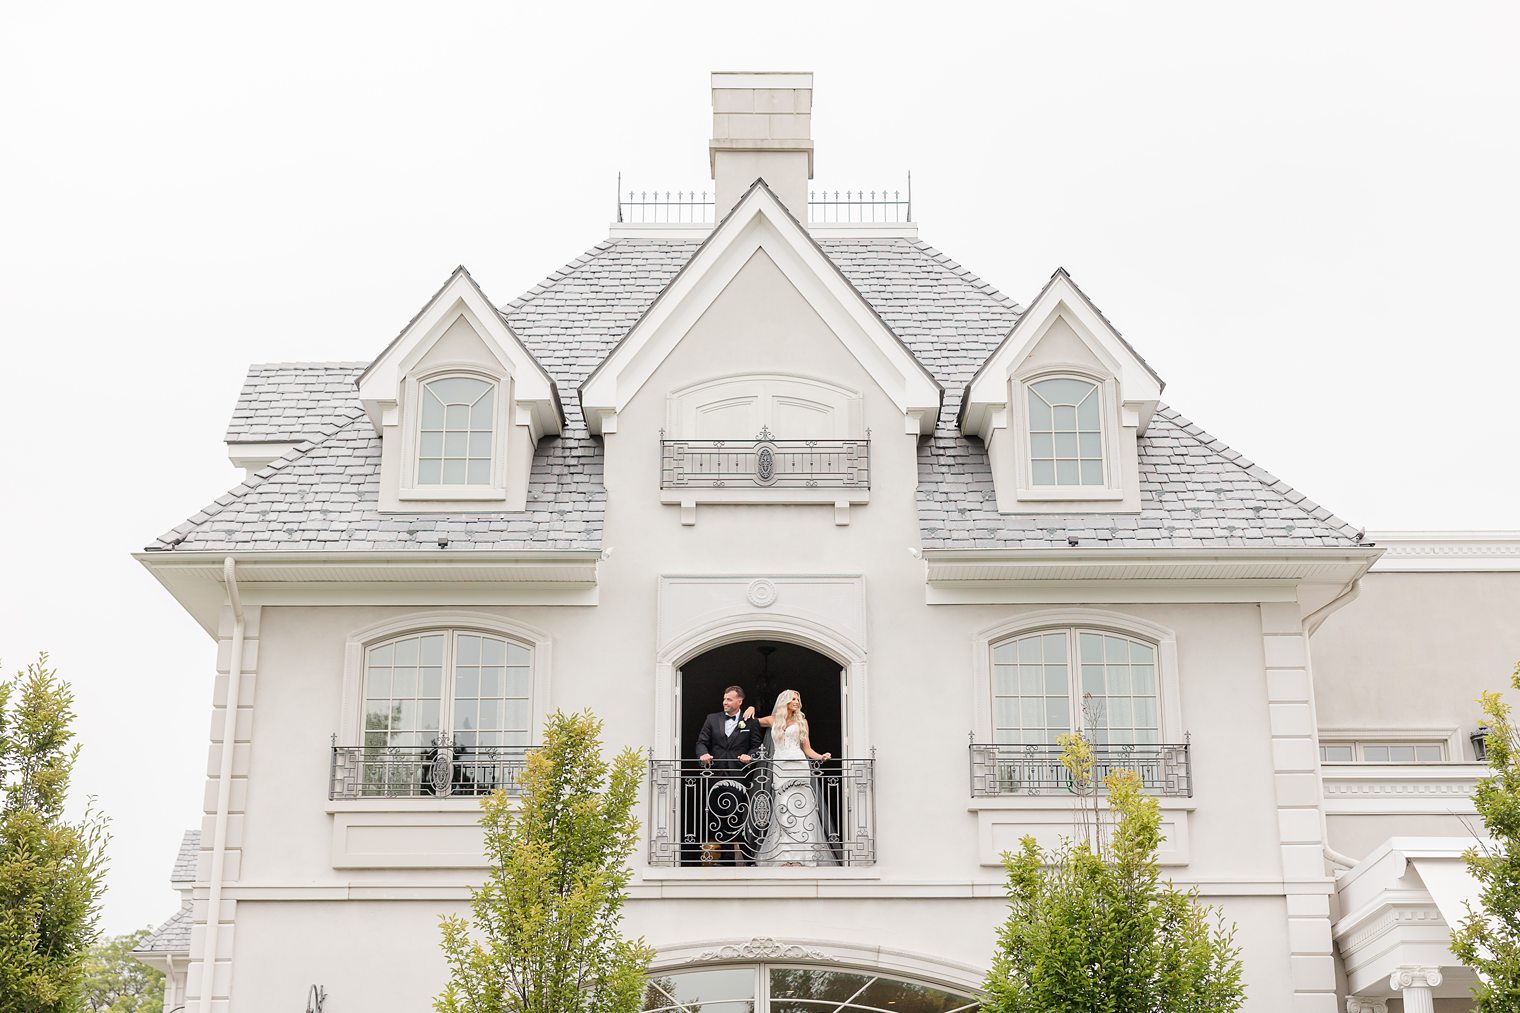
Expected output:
{"points": [[534, 392], [760, 222], [1446, 551], [1388, 789], [986, 405]]}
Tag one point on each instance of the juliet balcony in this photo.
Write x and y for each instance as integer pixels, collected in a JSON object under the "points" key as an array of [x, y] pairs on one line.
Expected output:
{"points": [[764, 469], [447, 770], [1032, 770], [770, 813]]}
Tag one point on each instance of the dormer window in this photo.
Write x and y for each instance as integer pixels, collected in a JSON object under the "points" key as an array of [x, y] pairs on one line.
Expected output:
{"points": [[457, 433], [1065, 432]]}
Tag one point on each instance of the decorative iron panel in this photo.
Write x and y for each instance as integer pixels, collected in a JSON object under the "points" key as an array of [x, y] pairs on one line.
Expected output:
{"points": [[998, 769], [438, 771], [788, 812], [765, 463]]}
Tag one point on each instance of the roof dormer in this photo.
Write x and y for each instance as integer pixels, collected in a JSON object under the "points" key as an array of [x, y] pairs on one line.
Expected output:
{"points": [[1060, 405], [460, 403]]}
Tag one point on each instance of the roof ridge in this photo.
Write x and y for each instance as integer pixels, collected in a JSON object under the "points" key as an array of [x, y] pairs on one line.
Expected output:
{"points": [[973, 279], [556, 276], [1256, 471], [171, 538]]}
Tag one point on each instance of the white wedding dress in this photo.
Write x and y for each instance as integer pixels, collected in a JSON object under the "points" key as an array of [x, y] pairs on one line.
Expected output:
{"points": [[795, 832]]}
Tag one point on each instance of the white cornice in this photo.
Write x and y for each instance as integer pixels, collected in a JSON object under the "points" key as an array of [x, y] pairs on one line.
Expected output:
{"points": [[1448, 551], [439, 577], [990, 569]]}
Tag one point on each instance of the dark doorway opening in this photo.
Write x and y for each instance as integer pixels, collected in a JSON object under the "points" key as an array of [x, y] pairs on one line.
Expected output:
{"points": [[764, 668]]}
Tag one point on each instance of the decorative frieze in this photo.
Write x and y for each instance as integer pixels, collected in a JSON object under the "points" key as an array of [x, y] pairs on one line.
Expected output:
{"points": [[766, 948]]}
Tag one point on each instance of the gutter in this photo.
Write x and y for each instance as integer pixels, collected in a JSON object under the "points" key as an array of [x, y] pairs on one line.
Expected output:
{"points": [[1312, 622], [223, 787]]}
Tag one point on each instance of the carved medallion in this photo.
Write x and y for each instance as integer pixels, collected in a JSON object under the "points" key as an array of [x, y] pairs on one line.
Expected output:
{"points": [[762, 593]]}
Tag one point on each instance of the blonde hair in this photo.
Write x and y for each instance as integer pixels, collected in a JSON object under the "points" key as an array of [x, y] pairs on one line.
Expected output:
{"points": [[778, 717]]}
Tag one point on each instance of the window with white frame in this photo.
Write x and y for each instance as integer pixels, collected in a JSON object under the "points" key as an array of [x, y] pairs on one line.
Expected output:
{"points": [[1065, 432], [457, 431], [1383, 751], [457, 687], [1048, 683]]}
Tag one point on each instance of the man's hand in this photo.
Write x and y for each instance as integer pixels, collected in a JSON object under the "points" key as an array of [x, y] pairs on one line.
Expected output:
{"points": [[744, 757], [706, 758]]}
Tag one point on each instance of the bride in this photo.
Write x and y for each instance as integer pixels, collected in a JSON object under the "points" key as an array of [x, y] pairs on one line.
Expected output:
{"points": [[795, 833]]}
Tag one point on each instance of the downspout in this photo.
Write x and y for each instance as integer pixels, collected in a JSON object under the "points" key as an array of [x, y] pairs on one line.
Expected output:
{"points": [[1313, 622], [223, 787]]}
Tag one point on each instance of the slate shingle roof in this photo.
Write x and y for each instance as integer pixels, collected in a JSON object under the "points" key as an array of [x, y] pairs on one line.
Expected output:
{"points": [[322, 495], [284, 402], [173, 936], [187, 859]]}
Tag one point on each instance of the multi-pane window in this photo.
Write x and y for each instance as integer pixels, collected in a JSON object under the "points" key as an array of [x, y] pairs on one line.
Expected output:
{"points": [[1383, 751], [448, 687], [458, 426], [1046, 684], [1065, 432], [784, 989]]}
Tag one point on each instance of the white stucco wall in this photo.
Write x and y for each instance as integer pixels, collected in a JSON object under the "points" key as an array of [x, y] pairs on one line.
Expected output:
{"points": [[369, 934]]}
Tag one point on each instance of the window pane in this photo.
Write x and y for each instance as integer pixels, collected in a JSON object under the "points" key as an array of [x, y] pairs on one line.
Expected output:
{"points": [[709, 986], [1336, 753], [429, 472], [1375, 754], [1429, 754], [459, 390], [1087, 412], [1067, 473], [468, 651], [432, 411], [1055, 648], [456, 417], [455, 444], [1065, 418], [517, 682], [1066, 444], [1044, 473], [431, 445], [1041, 445], [478, 473], [1401, 754], [806, 983], [1091, 645], [1030, 650], [453, 473], [1092, 472], [1039, 415], [481, 412], [1090, 445]]}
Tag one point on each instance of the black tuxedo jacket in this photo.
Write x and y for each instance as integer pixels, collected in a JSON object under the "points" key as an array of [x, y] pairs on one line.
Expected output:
{"points": [[728, 747]]}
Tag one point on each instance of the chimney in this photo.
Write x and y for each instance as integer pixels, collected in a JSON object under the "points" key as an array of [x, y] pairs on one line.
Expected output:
{"points": [[762, 127]]}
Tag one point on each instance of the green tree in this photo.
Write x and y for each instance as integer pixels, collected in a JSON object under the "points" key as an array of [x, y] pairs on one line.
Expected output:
{"points": [[51, 870], [545, 936], [1091, 925], [1488, 939], [116, 982]]}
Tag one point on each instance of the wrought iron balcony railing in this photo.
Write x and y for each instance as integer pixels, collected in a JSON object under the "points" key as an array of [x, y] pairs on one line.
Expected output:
{"points": [[769, 813], [998, 769], [766, 463], [438, 771]]}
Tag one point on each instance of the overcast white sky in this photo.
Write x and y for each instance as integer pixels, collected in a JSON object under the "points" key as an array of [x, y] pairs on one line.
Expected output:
{"points": [[1305, 217]]}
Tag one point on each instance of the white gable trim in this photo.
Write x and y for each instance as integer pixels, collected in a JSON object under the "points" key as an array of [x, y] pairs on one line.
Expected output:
{"points": [[986, 404], [535, 396], [759, 222]]}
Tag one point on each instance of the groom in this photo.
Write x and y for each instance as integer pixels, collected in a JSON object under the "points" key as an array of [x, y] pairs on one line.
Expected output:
{"points": [[726, 736], [727, 742]]}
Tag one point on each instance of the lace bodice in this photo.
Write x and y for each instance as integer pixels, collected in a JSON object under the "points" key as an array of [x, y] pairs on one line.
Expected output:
{"points": [[790, 746]]}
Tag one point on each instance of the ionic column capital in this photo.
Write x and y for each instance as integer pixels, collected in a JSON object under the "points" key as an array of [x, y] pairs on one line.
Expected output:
{"points": [[1357, 1004], [1414, 976]]}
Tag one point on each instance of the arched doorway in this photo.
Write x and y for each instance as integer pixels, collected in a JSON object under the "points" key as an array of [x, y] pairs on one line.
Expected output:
{"points": [[763, 668]]}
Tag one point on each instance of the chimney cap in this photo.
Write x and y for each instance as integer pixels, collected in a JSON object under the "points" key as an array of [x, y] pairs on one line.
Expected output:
{"points": [[798, 79]]}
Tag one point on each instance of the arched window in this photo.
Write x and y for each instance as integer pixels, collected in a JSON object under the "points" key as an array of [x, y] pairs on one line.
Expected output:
{"points": [[457, 433], [1048, 683], [1065, 432], [454, 687], [776, 988]]}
